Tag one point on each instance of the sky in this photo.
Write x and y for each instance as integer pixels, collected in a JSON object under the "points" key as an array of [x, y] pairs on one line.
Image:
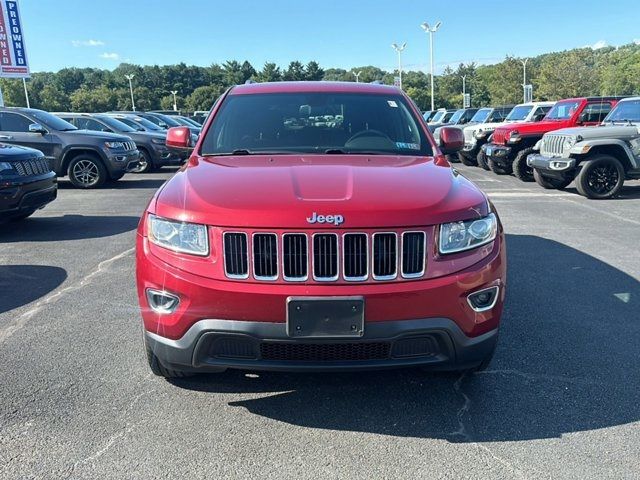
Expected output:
{"points": [[336, 33]]}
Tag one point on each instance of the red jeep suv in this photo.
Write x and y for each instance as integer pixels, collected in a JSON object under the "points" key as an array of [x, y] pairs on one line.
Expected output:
{"points": [[317, 226]]}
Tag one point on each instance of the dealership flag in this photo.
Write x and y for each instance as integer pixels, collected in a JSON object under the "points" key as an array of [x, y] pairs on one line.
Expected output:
{"points": [[13, 55]]}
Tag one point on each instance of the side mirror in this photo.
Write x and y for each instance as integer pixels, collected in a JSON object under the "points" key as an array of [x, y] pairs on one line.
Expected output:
{"points": [[451, 140], [179, 138], [163, 125], [37, 128], [539, 117], [584, 117]]}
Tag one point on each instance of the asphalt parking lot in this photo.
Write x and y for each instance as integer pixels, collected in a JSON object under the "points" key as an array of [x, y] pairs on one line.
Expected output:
{"points": [[560, 399]]}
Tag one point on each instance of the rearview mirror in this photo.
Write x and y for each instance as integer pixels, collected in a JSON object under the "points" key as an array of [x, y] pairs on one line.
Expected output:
{"points": [[451, 140], [37, 128], [179, 138]]}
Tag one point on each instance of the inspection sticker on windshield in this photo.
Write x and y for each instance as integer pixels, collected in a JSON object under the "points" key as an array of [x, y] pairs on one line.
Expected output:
{"points": [[392, 103], [408, 146]]}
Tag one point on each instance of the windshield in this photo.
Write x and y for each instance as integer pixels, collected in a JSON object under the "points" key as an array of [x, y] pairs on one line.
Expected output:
{"points": [[457, 116], [481, 115], [519, 113], [315, 122], [628, 111], [447, 117], [166, 119], [51, 121], [116, 125], [135, 125], [148, 125], [562, 110], [439, 114]]}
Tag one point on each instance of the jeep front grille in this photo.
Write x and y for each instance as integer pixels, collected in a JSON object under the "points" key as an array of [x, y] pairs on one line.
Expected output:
{"points": [[325, 256], [499, 136], [295, 257], [385, 264], [355, 257], [130, 146], [553, 145], [413, 246], [35, 166], [265, 256], [236, 263]]}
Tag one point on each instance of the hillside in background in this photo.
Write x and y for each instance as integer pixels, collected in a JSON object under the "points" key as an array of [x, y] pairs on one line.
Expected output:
{"points": [[578, 72]]}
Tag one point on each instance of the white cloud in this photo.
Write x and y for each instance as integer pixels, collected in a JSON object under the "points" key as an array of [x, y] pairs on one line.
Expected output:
{"points": [[110, 56], [599, 44], [87, 43], [636, 41]]}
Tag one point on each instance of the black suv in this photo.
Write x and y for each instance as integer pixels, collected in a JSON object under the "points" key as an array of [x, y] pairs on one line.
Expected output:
{"points": [[88, 158], [26, 182], [153, 150]]}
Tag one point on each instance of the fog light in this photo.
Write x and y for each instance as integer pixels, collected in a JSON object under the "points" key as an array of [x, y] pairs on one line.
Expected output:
{"points": [[162, 302], [484, 299]]}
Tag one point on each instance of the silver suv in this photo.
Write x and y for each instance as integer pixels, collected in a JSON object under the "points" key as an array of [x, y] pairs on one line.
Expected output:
{"points": [[598, 158]]}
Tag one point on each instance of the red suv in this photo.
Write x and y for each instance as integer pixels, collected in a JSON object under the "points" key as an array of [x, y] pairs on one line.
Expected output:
{"points": [[316, 226], [513, 143]]}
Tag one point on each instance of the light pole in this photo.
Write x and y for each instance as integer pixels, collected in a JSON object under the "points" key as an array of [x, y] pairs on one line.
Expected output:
{"points": [[431, 30], [464, 88], [26, 92], [399, 49], [357, 75], [130, 77], [524, 78], [175, 105]]}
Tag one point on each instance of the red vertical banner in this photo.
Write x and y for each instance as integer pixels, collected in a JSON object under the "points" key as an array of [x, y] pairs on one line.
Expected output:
{"points": [[5, 49]]}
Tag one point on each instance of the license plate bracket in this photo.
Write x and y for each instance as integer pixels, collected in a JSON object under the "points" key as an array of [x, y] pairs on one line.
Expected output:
{"points": [[325, 317]]}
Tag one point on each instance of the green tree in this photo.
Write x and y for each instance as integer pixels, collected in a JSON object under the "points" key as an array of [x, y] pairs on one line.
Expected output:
{"points": [[270, 73], [95, 100], [202, 98], [313, 71], [294, 72]]}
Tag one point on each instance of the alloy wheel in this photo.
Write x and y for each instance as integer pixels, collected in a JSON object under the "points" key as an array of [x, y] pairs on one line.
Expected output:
{"points": [[603, 178], [86, 172]]}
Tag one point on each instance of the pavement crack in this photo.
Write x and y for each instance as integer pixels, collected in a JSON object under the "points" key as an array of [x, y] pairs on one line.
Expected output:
{"points": [[462, 432], [20, 321]]}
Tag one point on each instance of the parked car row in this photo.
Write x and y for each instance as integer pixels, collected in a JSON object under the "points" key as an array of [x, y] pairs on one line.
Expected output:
{"points": [[37, 147], [592, 140]]}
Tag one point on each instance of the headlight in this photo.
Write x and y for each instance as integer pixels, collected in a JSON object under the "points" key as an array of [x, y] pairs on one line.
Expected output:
{"points": [[179, 236], [159, 141], [481, 134], [514, 136], [460, 236], [114, 145], [569, 143], [4, 166]]}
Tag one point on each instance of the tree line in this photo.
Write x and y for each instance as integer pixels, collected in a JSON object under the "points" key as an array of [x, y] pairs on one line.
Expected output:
{"points": [[571, 73]]}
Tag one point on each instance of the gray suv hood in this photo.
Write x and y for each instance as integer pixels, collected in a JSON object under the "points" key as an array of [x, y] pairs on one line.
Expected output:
{"points": [[602, 131], [106, 136]]}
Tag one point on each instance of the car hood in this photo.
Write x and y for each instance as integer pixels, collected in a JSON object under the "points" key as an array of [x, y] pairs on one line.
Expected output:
{"points": [[106, 136], [145, 136], [602, 131], [525, 128], [484, 126], [281, 192]]}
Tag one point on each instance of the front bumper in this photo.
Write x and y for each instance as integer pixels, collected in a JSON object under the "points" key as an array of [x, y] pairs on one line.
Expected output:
{"points": [[217, 345], [216, 318], [23, 194], [500, 154], [123, 162], [553, 167]]}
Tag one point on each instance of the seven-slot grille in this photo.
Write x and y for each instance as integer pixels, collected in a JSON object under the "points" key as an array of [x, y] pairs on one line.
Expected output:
{"points": [[35, 166], [553, 145], [130, 146], [325, 257], [500, 136]]}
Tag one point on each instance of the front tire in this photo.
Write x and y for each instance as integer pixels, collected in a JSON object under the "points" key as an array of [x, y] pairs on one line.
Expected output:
{"points": [[87, 171], [600, 178], [499, 169], [468, 161], [482, 160], [158, 369], [22, 216], [521, 170], [146, 164], [550, 183]]}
